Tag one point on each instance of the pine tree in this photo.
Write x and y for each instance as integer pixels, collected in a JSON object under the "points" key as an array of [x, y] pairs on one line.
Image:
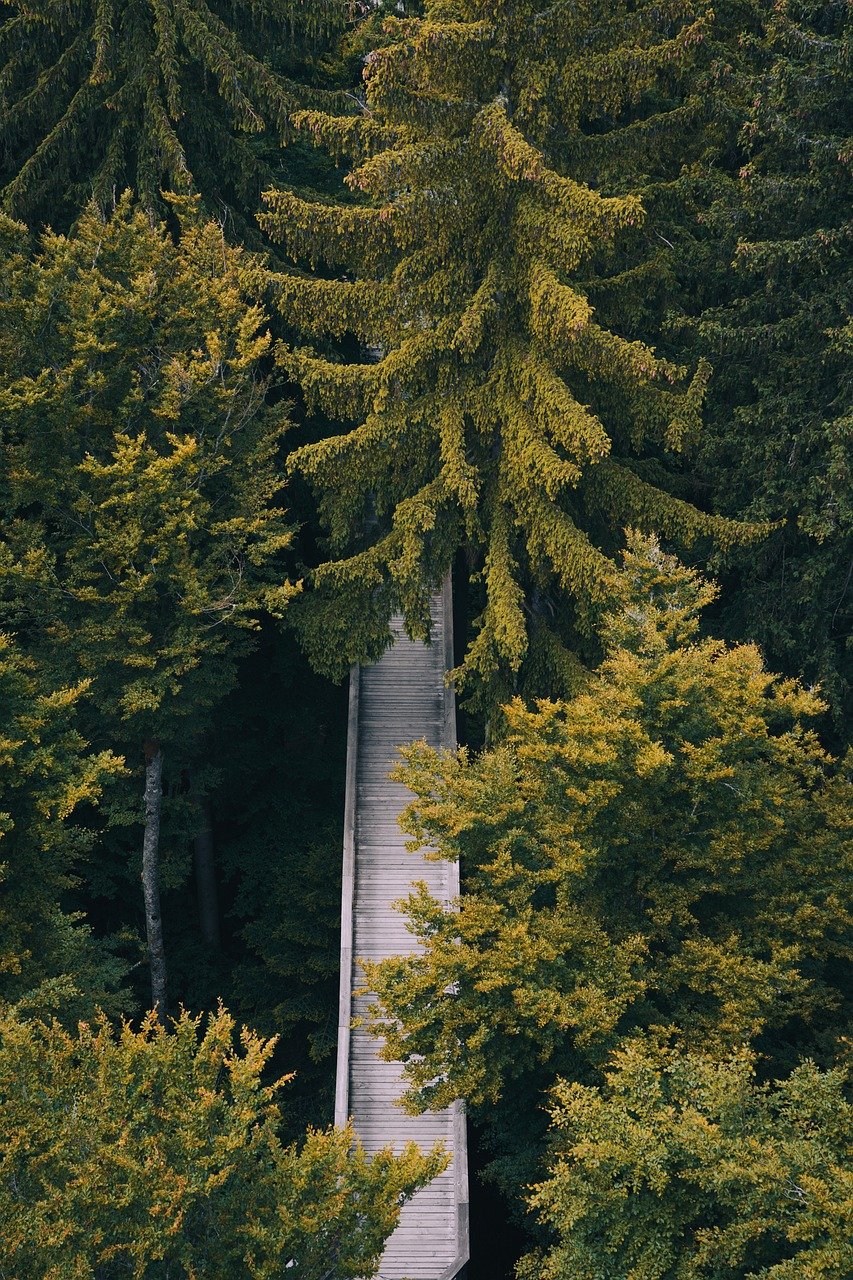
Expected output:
{"points": [[182, 94], [141, 533], [776, 324], [490, 407], [665, 857]]}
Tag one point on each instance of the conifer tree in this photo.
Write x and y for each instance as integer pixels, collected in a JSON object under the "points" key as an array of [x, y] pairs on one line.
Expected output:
{"points": [[490, 405], [665, 857], [183, 94], [141, 533], [779, 333]]}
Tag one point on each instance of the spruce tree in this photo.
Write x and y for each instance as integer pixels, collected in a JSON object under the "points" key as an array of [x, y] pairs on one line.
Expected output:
{"points": [[779, 333], [98, 95], [490, 407]]}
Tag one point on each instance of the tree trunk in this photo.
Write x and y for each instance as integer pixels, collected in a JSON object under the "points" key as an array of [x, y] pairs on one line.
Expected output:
{"points": [[151, 874], [205, 880]]}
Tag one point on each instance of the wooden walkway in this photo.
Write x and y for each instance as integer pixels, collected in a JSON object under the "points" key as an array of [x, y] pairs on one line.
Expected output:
{"points": [[397, 700]]}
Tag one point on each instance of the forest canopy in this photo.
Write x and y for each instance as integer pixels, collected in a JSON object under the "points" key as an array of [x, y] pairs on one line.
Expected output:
{"points": [[306, 305]]}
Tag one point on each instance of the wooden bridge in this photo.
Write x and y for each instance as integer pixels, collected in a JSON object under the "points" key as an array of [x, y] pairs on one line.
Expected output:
{"points": [[401, 698]]}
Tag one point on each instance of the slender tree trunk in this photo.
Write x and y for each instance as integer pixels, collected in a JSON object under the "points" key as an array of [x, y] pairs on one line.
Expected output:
{"points": [[205, 880], [151, 874]]}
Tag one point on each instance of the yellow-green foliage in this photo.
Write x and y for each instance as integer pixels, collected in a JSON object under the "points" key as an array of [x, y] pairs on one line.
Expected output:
{"points": [[489, 406], [151, 1153], [666, 855], [142, 533], [682, 1168]]}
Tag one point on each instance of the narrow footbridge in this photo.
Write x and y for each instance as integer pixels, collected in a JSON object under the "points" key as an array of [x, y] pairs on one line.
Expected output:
{"points": [[401, 698]]}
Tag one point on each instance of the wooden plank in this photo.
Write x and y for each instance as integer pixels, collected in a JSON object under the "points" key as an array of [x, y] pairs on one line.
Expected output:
{"points": [[402, 698]]}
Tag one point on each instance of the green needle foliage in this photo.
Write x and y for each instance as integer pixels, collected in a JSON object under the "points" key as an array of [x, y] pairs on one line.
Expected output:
{"points": [[681, 1168], [666, 855], [492, 407], [151, 1153], [98, 95], [779, 332], [47, 775]]}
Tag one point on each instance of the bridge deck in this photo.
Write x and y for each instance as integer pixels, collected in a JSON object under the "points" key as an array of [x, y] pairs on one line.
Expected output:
{"points": [[399, 699]]}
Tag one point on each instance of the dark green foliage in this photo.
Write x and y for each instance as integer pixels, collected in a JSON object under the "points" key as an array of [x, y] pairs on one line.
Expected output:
{"points": [[98, 95], [777, 328], [279, 804]]}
